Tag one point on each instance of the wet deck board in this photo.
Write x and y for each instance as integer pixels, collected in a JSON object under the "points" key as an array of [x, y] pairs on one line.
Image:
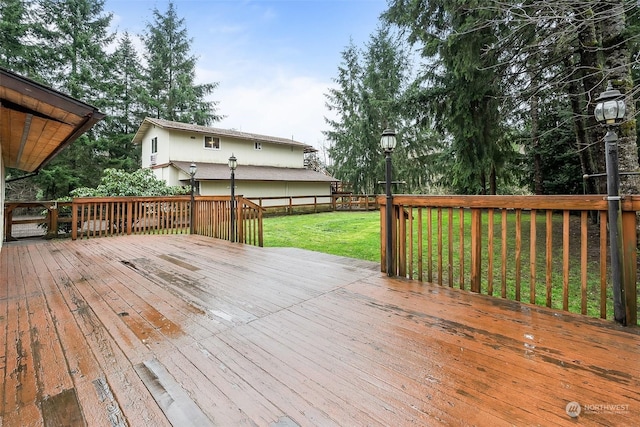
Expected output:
{"points": [[141, 330]]}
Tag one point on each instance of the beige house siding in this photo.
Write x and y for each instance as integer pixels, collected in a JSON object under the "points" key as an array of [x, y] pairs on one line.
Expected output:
{"points": [[255, 189], [177, 145]]}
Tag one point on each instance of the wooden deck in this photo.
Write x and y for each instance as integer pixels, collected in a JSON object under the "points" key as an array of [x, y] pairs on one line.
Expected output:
{"points": [[189, 330]]}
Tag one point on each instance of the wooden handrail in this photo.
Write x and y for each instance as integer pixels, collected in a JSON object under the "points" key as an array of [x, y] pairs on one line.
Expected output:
{"points": [[545, 250]]}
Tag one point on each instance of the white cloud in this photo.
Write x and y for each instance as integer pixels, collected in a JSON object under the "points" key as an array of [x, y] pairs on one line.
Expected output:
{"points": [[278, 105]]}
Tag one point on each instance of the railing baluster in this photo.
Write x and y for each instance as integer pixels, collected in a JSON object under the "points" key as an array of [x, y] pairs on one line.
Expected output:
{"points": [[603, 264], [503, 254], [565, 260], [420, 245], [549, 258], [461, 272], [450, 246], [490, 231], [532, 256], [518, 227], [583, 262]]}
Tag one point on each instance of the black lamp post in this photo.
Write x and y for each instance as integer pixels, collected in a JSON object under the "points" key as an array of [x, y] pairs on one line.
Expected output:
{"points": [[233, 164], [192, 172], [609, 112], [388, 143]]}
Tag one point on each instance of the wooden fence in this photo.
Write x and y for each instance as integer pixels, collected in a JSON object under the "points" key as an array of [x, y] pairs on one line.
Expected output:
{"points": [[315, 203], [112, 216], [545, 250]]}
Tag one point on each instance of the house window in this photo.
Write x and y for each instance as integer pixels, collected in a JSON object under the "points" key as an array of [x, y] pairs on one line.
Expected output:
{"points": [[154, 145], [212, 142], [257, 145]]}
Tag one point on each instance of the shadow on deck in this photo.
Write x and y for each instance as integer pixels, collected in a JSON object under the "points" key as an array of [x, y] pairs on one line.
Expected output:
{"points": [[188, 330]]}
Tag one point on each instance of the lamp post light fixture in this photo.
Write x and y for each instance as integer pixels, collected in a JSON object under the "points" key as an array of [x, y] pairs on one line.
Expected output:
{"points": [[609, 111], [233, 164], [192, 172], [388, 144]]}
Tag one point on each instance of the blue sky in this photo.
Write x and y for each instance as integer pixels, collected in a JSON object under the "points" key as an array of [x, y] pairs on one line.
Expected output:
{"points": [[274, 59]]}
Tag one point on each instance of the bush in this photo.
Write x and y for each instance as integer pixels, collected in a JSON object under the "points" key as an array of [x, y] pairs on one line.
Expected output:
{"points": [[118, 183]]}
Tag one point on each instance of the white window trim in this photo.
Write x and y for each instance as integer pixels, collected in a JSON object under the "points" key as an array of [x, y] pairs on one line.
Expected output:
{"points": [[213, 138]]}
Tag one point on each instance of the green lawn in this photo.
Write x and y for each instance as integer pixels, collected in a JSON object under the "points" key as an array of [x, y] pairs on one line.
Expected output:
{"points": [[350, 234]]}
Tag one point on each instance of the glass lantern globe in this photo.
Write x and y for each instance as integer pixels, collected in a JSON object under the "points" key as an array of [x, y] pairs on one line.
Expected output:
{"points": [[233, 162], [388, 140], [610, 107]]}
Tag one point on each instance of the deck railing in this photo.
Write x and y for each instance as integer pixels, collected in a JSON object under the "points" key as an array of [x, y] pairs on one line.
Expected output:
{"points": [[34, 219], [545, 250], [213, 219], [112, 216]]}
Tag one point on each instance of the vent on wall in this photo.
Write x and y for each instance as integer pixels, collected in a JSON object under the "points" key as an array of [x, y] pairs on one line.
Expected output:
{"points": [[154, 158]]}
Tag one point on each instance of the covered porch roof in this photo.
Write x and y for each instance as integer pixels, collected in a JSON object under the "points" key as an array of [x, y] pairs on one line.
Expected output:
{"points": [[37, 122]]}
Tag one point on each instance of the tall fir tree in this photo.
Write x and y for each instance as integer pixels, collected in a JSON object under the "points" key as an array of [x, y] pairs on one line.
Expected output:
{"points": [[370, 84], [17, 52], [463, 93], [74, 35], [125, 109], [171, 92]]}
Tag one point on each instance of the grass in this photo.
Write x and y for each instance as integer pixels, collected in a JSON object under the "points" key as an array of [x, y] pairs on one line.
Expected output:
{"points": [[350, 234]]}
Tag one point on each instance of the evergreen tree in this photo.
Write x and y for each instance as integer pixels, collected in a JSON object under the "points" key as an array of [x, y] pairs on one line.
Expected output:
{"points": [[371, 83], [74, 37], [16, 52], [171, 92], [124, 112], [463, 92]]}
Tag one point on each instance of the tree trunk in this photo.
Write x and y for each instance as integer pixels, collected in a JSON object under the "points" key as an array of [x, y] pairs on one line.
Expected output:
{"points": [[535, 144], [589, 137], [617, 63], [583, 144]]}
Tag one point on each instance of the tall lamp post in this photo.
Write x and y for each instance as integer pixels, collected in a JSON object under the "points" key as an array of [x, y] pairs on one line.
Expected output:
{"points": [[192, 172], [609, 112], [388, 144], [233, 164]]}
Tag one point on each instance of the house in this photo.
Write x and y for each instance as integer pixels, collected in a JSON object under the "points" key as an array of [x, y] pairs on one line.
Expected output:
{"points": [[36, 123], [268, 166]]}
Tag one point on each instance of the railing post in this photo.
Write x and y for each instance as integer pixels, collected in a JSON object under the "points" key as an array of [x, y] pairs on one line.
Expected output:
{"points": [[240, 220], [629, 262], [52, 228], [260, 229], [74, 220], [383, 237], [476, 249], [129, 217], [8, 223]]}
